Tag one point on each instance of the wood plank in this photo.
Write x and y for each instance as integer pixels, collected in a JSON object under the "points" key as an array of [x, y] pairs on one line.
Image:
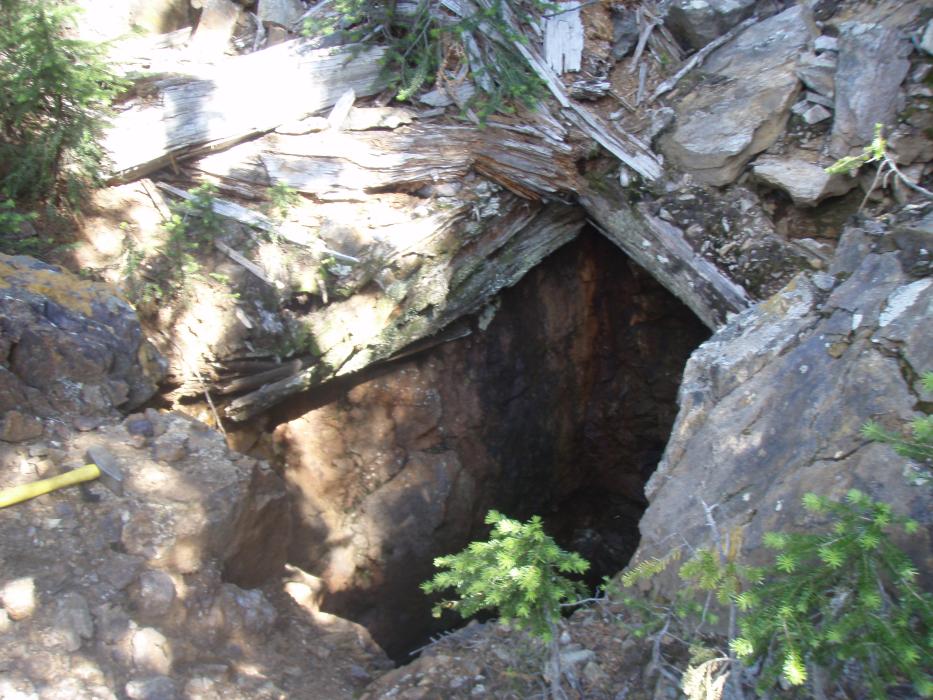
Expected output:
{"points": [[459, 275], [237, 99], [563, 38], [663, 250]]}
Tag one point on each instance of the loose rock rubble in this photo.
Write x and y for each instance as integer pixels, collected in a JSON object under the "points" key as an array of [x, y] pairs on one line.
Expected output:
{"points": [[600, 660], [107, 596]]}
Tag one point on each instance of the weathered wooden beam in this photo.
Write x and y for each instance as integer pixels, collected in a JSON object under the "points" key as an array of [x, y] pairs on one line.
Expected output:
{"points": [[459, 275], [236, 99], [521, 156], [662, 250]]}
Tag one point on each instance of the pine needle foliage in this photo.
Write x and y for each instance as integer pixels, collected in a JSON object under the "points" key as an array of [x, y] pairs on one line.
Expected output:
{"points": [[428, 45], [520, 571], [918, 445], [55, 92], [844, 598]]}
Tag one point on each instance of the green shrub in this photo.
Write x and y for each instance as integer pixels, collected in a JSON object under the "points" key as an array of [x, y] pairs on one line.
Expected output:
{"points": [[520, 572], [426, 45], [55, 92], [846, 596], [841, 600], [918, 446]]}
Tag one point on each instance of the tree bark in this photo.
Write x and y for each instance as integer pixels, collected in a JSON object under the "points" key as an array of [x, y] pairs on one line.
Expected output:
{"points": [[213, 107]]}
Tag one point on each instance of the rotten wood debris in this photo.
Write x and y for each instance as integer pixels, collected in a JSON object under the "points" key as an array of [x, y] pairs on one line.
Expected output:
{"points": [[409, 282]]}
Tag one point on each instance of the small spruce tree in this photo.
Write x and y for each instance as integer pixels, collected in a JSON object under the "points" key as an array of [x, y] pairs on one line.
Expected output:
{"points": [[848, 596], [55, 92], [521, 572], [918, 446]]}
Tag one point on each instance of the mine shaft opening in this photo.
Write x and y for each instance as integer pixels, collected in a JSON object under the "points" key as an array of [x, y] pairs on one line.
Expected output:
{"points": [[559, 403]]}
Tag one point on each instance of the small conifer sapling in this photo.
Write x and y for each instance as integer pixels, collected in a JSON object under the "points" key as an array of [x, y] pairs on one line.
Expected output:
{"points": [[519, 572]]}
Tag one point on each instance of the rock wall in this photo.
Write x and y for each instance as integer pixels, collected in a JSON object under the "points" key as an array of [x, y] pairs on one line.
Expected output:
{"points": [[774, 401], [70, 350], [559, 406]]}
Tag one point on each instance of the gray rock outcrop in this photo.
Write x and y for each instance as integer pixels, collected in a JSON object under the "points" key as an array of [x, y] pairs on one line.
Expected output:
{"points": [[69, 347], [775, 400], [872, 65], [744, 105], [806, 183], [698, 22]]}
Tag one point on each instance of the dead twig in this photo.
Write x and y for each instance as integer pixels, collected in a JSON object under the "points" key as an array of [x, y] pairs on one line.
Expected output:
{"points": [[699, 57], [642, 79], [648, 27]]}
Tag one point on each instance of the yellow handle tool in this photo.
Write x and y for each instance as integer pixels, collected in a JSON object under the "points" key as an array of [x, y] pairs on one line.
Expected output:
{"points": [[23, 492], [104, 467]]}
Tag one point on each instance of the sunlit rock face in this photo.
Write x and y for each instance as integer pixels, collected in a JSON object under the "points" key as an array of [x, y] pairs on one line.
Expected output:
{"points": [[70, 349], [560, 407]]}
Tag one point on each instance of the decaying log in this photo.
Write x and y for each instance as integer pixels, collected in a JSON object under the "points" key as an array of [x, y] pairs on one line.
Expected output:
{"points": [[459, 273], [344, 165], [663, 251], [215, 106]]}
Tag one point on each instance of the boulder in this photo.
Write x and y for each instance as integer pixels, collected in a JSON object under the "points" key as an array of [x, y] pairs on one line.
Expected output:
{"points": [[818, 72], [102, 20], [872, 64], [69, 346], [284, 13], [698, 22], [775, 400], [806, 183], [751, 85]]}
